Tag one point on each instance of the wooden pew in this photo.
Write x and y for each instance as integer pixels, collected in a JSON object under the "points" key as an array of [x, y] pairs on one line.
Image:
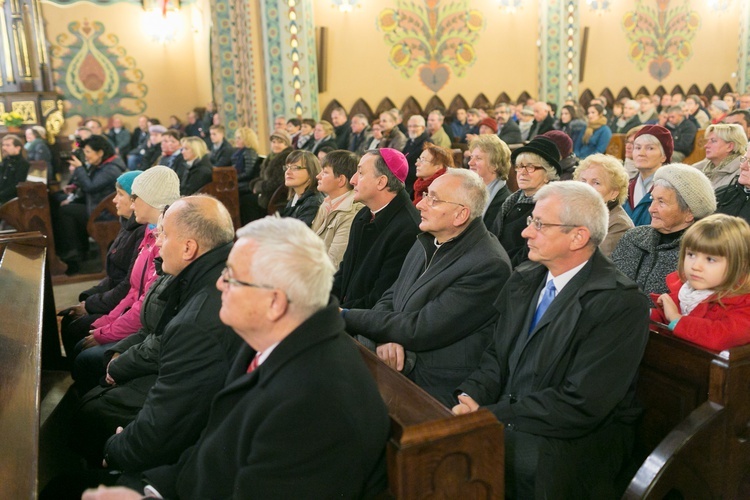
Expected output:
{"points": [[22, 274], [697, 422], [224, 188], [30, 212], [699, 148], [616, 146], [431, 452]]}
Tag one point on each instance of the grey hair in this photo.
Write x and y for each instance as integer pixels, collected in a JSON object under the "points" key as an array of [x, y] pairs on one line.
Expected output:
{"points": [[210, 228], [361, 117], [419, 119], [651, 139], [552, 174], [394, 183], [581, 206], [633, 104], [681, 203], [471, 192], [291, 257]]}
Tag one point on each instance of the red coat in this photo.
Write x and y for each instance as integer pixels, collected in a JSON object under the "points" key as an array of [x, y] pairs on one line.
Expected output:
{"points": [[709, 325]]}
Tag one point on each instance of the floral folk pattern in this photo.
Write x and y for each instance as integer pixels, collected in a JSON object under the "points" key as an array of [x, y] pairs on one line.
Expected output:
{"points": [[661, 38], [432, 39], [95, 74]]}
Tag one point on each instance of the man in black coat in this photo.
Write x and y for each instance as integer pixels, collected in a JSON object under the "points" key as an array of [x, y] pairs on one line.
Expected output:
{"points": [[341, 127], [507, 129], [382, 233], [543, 120], [440, 307], [683, 133], [196, 348], [361, 135], [221, 150], [418, 135], [14, 168], [300, 415], [561, 370]]}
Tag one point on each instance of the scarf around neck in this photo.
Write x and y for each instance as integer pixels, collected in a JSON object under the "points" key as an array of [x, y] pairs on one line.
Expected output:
{"points": [[593, 126], [690, 298]]}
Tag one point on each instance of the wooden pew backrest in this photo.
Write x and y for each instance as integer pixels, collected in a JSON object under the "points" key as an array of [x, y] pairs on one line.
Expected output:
{"points": [[224, 188], [616, 146], [105, 231], [699, 148]]}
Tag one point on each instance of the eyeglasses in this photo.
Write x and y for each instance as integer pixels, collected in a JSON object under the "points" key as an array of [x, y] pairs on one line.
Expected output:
{"points": [[530, 169], [744, 159], [539, 225], [294, 168], [432, 200], [422, 160]]}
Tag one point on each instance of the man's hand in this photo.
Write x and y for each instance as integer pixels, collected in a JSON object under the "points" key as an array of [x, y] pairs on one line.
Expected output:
{"points": [[466, 404], [108, 378], [89, 341], [392, 354], [670, 308], [115, 493], [78, 310]]}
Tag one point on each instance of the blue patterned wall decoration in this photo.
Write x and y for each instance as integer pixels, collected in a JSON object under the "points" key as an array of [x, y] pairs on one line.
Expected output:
{"points": [[559, 55], [290, 61], [94, 73], [743, 74]]}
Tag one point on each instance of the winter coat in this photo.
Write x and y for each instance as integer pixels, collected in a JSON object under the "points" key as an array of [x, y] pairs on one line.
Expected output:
{"points": [[335, 226], [306, 208], [640, 257], [99, 181]]}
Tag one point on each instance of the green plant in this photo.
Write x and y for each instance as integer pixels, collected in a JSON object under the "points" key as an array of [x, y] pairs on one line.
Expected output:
{"points": [[12, 119]]}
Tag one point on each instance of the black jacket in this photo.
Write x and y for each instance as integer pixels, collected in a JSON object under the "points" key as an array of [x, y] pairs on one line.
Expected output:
{"points": [[313, 146], [343, 135], [412, 150], [245, 162], [732, 199], [539, 128], [359, 142], [309, 422], [13, 170], [196, 352], [491, 214], [375, 252], [99, 181], [222, 156], [306, 208], [684, 136], [510, 133], [103, 297], [195, 176]]}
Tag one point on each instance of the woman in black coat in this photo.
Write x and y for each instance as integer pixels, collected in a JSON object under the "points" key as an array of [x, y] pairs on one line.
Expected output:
{"points": [[323, 135], [300, 172], [245, 158], [271, 177], [196, 170]]}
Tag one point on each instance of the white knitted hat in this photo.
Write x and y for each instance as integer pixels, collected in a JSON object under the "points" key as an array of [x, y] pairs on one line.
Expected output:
{"points": [[158, 186], [692, 185]]}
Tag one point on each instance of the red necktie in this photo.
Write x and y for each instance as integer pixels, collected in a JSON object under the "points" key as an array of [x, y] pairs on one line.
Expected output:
{"points": [[253, 363]]}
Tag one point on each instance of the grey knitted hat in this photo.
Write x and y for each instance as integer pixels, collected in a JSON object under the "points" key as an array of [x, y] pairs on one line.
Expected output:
{"points": [[692, 185], [158, 186]]}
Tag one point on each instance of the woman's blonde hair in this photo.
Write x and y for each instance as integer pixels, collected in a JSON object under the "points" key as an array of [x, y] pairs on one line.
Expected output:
{"points": [[327, 128], [724, 236], [617, 176], [197, 144], [497, 151], [731, 133], [249, 137]]}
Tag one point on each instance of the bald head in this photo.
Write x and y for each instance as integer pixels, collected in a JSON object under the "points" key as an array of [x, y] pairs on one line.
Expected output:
{"points": [[204, 219]]}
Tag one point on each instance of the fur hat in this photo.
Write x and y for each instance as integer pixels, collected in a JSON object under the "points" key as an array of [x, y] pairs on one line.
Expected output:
{"points": [[692, 185], [396, 162], [542, 147], [158, 186], [562, 141], [663, 135]]}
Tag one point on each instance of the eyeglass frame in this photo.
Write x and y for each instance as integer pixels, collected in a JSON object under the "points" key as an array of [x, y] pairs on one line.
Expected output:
{"points": [[744, 159], [228, 280], [526, 168], [430, 200], [539, 225], [422, 160], [293, 168]]}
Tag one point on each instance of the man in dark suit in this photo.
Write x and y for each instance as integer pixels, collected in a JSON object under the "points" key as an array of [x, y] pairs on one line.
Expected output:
{"points": [[418, 135], [221, 151], [342, 127], [382, 233], [683, 133], [440, 308], [361, 135], [507, 129], [14, 168], [300, 415], [560, 373], [543, 120]]}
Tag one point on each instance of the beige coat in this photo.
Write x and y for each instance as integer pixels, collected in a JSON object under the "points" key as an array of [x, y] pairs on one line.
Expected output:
{"points": [[334, 228], [723, 175], [619, 222]]}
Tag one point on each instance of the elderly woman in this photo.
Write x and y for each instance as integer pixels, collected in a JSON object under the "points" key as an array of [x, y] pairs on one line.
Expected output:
{"points": [[629, 143], [537, 163], [647, 254], [245, 157], [196, 171], [36, 145], [323, 135], [595, 138], [725, 145], [608, 177], [300, 171], [734, 199], [652, 148], [431, 164], [490, 159], [271, 177]]}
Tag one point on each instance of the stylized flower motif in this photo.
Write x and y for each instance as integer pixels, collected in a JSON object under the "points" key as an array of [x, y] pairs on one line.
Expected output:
{"points": [[431, 39], [661, 38]]}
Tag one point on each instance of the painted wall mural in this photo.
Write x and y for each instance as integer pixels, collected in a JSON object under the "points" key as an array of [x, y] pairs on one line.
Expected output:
{"points": [[660, 38], [431, 39], [94, 73]]}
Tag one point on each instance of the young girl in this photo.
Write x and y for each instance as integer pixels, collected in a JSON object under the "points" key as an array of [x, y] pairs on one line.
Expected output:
{"points": [[709, 296]]}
